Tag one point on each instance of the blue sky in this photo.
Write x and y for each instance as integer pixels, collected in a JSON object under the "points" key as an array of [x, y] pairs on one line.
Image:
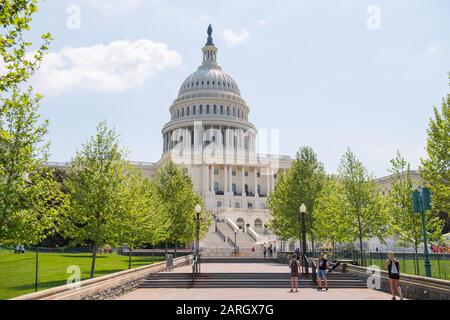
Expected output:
{"points": [[313, 69]]}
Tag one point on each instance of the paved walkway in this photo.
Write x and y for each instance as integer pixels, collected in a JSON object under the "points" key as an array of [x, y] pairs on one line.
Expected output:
{"points": [[249, 293], [253, 294]]}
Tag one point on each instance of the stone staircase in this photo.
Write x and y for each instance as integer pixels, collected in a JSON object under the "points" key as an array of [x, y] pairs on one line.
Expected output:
{"points": [[245, 280], [243, 240]]}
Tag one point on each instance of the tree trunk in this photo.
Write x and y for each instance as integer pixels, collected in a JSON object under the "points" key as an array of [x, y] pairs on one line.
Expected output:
{"points": [[175, 253], [416, 258], [166, 248], [312, 236], [94, 256], [129, 258], [153, 254]]}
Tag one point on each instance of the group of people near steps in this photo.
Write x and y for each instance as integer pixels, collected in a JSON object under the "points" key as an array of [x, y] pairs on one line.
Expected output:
{"points": [[323, 267]]}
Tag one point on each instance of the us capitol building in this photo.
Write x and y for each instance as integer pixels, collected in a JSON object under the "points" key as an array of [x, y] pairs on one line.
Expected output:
{"points": [[210, 135]]}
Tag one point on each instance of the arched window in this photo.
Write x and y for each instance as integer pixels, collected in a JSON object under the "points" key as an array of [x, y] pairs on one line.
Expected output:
{"points": [[215, 109], [221, 109], [228, 110], [258, 225], [194, 109], [178, 113], [207, 108], [182, 112], [233, 188], [216, 187], [258, 188], [240, 223], [201, 109], [187, 111], [234, 112], [239, 113]]}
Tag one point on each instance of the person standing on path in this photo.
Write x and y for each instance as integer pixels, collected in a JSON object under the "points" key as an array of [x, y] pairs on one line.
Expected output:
{"points": [[265, 251], [297, 253], [393, 269], [322, 272], [270, 251], [294, 265]]}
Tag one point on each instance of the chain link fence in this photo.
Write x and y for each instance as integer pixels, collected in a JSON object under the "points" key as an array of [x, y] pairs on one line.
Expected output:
{"points": [[40, 268], [410, 263]]}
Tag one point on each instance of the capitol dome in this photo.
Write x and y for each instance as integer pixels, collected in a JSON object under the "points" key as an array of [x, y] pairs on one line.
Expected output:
{"points": [[209, 78], [210, 98]]}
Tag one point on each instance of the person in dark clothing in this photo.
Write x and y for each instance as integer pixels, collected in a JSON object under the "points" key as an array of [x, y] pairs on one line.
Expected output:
{"points": [[294, 265], [322, 271], [393, 269], [265, 251], [270, 251], [297, 253]]}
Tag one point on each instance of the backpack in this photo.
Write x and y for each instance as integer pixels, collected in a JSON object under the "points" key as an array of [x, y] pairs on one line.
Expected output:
{"points": [[294, 265]]}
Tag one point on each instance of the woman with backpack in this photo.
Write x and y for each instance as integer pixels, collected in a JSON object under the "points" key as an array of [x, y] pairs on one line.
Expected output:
{"points": [[393, 269], [294, 265]]}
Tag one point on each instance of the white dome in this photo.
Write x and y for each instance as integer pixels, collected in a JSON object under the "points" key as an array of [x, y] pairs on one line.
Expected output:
{"points": [[209, 78]]}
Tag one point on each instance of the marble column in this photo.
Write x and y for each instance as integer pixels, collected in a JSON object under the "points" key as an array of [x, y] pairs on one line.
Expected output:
{"points": [[212, 178], [207, 178], [256, 182], [243, 181], [225, 179]]}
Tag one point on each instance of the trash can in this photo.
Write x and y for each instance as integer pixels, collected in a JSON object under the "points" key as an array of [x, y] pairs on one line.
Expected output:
{"points": [[169, 262]]}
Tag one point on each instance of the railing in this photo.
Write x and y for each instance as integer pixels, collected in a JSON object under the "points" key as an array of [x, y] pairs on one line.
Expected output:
{"points": [[236, 248], [313, 268], [220, 234], [252, 233], [195, 267], [232, 225]]}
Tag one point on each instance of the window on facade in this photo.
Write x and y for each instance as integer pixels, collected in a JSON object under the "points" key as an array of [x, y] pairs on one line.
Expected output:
{"points": [[228, 111], [215, 109], [250, 205], [187, 111], [258, 174], [239, 113], [216, 172], [258, 224], [197, 83], [194, 109], [233, 173], [237, 205], [219, 204], [207, 108], [234, 112], [216, 187], [178, 113], [214, 82], [182, 112], [207, 83], [221, 109], [201, 109], [246, 173], [233, 187], [258, 188]]}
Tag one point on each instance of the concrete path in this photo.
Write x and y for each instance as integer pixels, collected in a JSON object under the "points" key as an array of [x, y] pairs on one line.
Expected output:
{"points": [[254, 294], [249, 293]]}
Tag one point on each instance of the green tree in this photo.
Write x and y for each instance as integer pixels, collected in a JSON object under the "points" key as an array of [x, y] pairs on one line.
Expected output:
{"points": [[405, 224], [363, 202], [144, 218], [29, 196], [331, 215], [176, 192], [435, 170], [301, 183], [97, 184]]}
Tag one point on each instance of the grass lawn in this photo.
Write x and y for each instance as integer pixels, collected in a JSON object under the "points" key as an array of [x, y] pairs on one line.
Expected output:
{"points": [[17, 271], [440, 268]]}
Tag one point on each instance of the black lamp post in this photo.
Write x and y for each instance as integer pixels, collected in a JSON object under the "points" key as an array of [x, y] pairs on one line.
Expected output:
{"points": [[304, 261], [421, 203], [198, 209]]}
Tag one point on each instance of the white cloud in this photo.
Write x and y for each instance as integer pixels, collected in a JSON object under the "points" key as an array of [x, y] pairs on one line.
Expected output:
{"points": [[233, 38], [115, 67], [113, 7]]}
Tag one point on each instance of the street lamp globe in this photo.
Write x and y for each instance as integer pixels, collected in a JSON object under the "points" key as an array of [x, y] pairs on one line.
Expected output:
{"points": [[198, 208], [302, 208]]}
